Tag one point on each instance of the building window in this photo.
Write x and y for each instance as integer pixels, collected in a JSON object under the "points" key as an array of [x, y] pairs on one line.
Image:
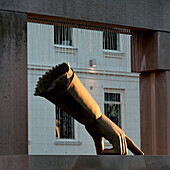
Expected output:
{"points": [[111, 41], [64, 125], [63, 35], [112, 107]]}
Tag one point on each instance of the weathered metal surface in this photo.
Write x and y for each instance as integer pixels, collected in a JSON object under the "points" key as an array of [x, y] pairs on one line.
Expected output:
{"points": [[154, 113], [168, 109], [150, 52], [164, 50]]}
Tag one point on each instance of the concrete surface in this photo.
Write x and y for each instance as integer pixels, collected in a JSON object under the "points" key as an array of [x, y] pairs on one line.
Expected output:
{"points": [[36, 162], [134, 13], [13, 83]]}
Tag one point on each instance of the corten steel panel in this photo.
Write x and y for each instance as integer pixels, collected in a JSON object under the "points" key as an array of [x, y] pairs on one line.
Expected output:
{"points": [[150, 51], [99, 162], [17, 162], [164, 50], [131, 13], [144, 52], [145, 114], [168, 109], [161, 105], [13, 83], [154, 113]]}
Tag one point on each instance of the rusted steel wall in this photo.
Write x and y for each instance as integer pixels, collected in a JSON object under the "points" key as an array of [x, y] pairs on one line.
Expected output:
{"points": [[150, 57]]}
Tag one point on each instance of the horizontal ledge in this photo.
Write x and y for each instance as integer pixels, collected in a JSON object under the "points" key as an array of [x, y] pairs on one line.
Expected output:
{"points": [[65, 47], [84, 70], [36, 162], [67, 142], [106, 51]]}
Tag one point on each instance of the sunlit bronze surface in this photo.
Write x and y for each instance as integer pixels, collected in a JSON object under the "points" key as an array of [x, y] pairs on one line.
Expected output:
{"points": [[62, 87]]}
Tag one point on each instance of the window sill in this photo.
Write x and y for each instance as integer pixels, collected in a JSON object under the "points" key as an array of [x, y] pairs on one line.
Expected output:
{"points": [[67, 142], [65, 49], [113, 53], [64, 46]]}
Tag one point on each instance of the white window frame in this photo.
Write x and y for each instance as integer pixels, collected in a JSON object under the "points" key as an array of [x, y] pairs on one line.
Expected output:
{"points": [[64, 42], [69, 141], [60, 124], [117, 44], [122, 103]]}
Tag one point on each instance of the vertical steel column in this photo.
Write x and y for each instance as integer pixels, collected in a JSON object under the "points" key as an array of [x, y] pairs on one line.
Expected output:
{"points": [[150, 55]]}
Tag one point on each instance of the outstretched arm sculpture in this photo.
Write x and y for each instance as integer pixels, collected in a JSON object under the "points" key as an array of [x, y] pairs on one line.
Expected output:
{"points": [[62, 87]]}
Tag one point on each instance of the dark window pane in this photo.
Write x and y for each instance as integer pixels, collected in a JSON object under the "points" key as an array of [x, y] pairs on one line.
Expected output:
{"points": [[114, 97], [64, 125], [113, 112], [63, 35], [110, 41]]}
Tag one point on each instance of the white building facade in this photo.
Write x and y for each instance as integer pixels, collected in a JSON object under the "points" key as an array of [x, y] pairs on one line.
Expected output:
{"points": [[103, 69]]}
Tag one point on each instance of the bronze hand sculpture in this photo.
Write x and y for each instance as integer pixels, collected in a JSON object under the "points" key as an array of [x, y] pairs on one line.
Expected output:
{"points": [[62, 87]]}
